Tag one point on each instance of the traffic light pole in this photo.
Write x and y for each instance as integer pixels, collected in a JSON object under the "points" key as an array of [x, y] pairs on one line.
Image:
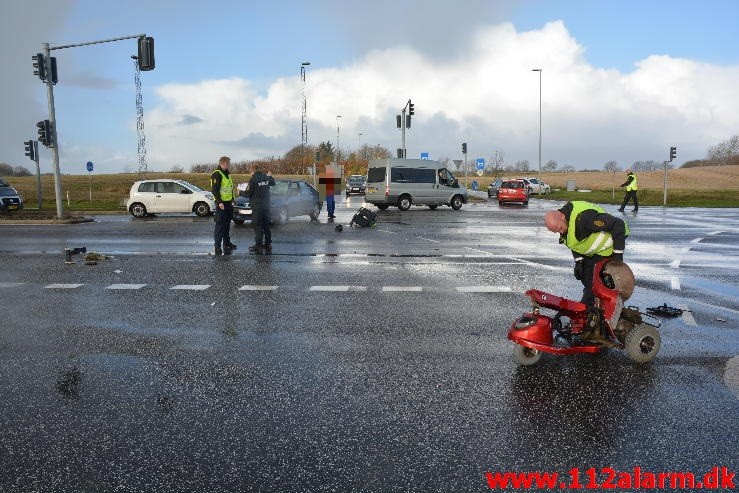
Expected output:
{"points": [[54, 139], [34, 143], [403, 132]]}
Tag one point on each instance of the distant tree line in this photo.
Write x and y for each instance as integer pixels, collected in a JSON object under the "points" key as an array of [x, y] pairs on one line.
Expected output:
{"points": [[9, 170]]}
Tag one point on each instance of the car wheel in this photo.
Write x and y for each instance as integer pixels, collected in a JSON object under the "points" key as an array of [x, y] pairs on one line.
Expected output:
{"points": [[500, 202], [433, 207], [283, 216], [404, 202], [239, 221], [316, 211], [457, 202], [382, 207], [526, 356], [525, 202], [490, 195], [201, 209], [137, 210]]}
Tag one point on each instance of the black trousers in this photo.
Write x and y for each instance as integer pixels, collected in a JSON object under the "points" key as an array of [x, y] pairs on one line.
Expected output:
{"points": [[222, 230], [588, 267], [262, 231], [631, 194]]}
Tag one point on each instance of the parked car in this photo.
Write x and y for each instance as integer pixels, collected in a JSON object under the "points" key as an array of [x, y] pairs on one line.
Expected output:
{"points": [[10, 199], [513, 191], [156, 196], [356, 184], [288, 198], [494, 187], [533, 185], [406, 182]]}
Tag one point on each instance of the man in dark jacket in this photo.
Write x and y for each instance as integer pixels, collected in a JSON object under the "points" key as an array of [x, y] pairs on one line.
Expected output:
{"points": [[592, 235], [631, 189], [258, 191], [222, 188]]}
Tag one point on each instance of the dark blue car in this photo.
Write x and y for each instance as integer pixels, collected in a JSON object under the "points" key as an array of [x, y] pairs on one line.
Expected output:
{"points": [[288, 198]]}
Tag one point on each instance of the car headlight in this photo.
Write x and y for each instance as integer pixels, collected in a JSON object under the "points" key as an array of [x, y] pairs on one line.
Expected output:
{"points": [[209, 197]]}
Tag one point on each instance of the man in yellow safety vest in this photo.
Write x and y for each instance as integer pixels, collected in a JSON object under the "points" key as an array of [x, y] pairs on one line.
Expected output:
{"points": [[631, 189]]}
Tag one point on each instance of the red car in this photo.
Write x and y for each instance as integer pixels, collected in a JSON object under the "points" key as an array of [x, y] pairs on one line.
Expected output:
{"points": [[513, 191]]}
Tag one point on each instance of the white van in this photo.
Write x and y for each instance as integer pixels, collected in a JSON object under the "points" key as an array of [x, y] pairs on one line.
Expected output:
{"points": [[406, 182]]}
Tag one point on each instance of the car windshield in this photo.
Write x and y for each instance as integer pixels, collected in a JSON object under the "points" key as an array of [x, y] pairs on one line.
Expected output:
{"points": [[356, 179], [192, 187], [512, 184], [7, 191]]}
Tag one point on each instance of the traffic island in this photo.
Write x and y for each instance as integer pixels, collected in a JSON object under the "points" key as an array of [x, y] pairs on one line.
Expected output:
{"points": [[40, 217]]}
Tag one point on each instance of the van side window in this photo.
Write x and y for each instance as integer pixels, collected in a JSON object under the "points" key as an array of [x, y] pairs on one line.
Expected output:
{"points": [[412, 175], [376, 175]]}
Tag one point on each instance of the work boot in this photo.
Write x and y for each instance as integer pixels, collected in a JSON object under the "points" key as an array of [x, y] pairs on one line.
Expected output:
{"points": [[635, 210], [255, 247], [268, 248], [226, 250], [230, 246], [621, 209], [218, 251]]}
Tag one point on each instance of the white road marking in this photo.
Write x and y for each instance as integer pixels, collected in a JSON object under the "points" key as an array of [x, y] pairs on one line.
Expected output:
{"points": [[63, 286], [427, 239], [687, 316], [484, 289], [675, 264], [126, 286], [395, 289], [337, 288], [675, 283], [256, 287], [192, 287], [696, 240], [10, 284], [714, 233], [478, 251]]}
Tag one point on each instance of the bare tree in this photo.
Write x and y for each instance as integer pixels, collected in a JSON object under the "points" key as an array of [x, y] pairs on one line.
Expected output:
{"points": [[177, 169], [724, 152], [567, 168], [522, 165], [550, 166], [611, 166]]}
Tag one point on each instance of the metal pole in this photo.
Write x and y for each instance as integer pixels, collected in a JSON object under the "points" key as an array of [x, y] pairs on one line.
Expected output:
{"points": [[540, 187], [89, 181], [402, 123], [465, 170], [54, 137], [338, 146], [34, 143], [664, 200], [304, 121]]}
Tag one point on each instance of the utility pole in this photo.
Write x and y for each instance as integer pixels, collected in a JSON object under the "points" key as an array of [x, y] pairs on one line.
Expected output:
{"points": [[403, 122]]}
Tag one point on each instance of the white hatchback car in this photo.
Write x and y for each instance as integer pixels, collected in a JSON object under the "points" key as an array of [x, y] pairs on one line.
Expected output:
{"points": [[156, 196]]}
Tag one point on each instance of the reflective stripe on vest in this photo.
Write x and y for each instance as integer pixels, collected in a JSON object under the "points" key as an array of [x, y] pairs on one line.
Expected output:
{"points": [[598, 243], [632, 186], [227, 187]]}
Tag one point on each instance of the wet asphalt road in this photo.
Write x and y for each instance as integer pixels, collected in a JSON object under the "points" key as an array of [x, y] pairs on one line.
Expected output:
{"points": [[366, 360]]}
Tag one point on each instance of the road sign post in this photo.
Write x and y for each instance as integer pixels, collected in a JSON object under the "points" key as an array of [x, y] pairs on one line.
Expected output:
{"points": [[90, 167]]}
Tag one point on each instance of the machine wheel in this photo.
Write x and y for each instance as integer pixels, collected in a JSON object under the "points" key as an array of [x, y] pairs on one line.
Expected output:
{"points": [[433, 207], [526, 356], [382, 207], [316, 211], [137, 210], [201, 209], [404, 202], [282, 216], [642, 343], [456, 202]]}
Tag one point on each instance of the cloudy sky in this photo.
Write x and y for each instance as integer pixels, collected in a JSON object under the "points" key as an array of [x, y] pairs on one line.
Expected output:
{"points": [[621, 80]]}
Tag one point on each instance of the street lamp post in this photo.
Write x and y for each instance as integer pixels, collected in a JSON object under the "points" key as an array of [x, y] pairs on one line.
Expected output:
{"points": [[304, 122], [540, 182], [338, 146]]}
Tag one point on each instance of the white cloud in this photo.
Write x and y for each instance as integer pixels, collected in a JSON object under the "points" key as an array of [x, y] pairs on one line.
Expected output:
{"points": [[487, 96]]}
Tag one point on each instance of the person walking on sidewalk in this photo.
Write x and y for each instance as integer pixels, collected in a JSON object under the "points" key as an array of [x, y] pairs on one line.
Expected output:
{"points": [[631, 189], [258, 191], [222, 187]]}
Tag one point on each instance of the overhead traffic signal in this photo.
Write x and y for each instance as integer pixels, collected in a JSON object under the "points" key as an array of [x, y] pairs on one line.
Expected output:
{"points": [[407, 121], [44, 133], [30, 149], [146, 53], [464, 147], [39, 66], [673, 153], [411, 108], [399, 121]]}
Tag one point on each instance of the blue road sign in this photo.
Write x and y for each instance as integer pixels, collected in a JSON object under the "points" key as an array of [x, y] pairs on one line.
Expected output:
{"points": [[480, 163], [474, 185], [425, 156], [89, 166]]}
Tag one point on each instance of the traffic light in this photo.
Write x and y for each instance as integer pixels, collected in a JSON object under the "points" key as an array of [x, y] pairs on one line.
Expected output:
{"points": [[39, 66], [411, 108], [146, 53], [54, 78], [407, 121], [673, 153], [44, 133], [30, 150], [399, 121], [464, 147]]}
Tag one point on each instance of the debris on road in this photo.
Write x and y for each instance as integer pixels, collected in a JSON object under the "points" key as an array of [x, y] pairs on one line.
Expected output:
{"points": [[666, 311]]}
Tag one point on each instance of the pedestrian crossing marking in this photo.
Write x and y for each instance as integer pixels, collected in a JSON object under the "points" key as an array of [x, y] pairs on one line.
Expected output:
{"points": [[63, 286], [126, 286], [191, 287], [252, 287], [396, 289], [10, 284]]}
